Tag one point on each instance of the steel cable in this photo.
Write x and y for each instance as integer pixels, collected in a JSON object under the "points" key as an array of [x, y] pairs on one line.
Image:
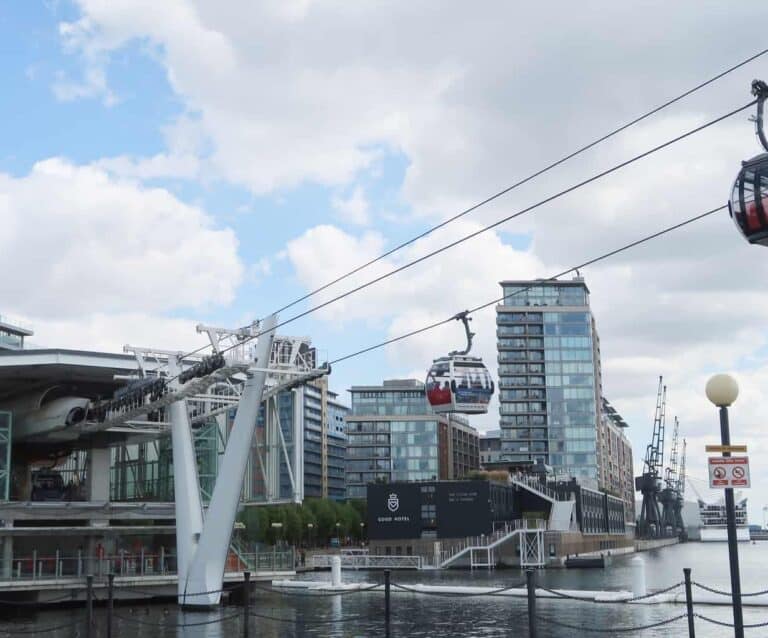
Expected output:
{"points": [[32, 603], [519, 183], [597, 630], [590, 262], [298, 621], [35, 630], [317, 594], [493, 592], [623, 600], [222, 619], [722, 592], [730, 624], [485, 229]]}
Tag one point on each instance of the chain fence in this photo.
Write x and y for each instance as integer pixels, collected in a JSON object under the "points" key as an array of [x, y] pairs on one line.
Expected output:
{"points": [[599, 630], [246, 613]]}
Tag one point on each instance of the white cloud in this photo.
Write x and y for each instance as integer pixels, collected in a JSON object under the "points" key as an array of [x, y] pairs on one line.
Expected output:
{"points": [[285, 93], [353, 209], [77, 241], [161, 165], [100, 332]]}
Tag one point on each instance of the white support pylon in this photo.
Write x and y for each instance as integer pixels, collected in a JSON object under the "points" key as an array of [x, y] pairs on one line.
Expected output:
{"points": [[205, 573], [186, 484]]}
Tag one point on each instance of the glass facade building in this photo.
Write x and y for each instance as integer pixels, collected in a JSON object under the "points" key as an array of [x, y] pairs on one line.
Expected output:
{"points": [[393, 435], [549, 377]]}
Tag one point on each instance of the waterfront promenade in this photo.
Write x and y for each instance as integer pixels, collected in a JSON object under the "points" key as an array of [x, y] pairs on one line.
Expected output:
{"points": [[274, 613]]}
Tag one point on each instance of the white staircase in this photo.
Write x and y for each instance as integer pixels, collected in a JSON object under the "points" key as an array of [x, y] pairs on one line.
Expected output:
{"points": [[480, 549]]}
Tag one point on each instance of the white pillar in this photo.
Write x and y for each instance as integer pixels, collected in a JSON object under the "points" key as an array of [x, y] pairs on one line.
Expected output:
{"points": [[336, 571], [97, 474], [206, 571], [186, 485], [638, 576]]}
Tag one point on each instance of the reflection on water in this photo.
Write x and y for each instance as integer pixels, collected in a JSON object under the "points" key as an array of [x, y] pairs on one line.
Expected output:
{"points": [[413, 615]]}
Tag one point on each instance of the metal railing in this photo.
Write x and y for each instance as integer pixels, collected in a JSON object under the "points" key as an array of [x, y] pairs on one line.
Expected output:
{"points": [[490, 540], [535, 484], [368, 561], [34, 566]]}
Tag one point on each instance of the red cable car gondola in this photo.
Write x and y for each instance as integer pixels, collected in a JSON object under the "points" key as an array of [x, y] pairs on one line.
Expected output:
{"points": [[748, 204], [458, 382]]}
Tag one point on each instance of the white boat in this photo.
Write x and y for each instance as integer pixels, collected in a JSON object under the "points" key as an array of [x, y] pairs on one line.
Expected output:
{"points": [[713, 521]]}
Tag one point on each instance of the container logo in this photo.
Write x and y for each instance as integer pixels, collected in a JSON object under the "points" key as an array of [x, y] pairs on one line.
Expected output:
{"points": [[393, 503]]}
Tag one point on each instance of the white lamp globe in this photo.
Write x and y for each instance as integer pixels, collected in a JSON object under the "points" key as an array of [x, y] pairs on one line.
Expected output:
{"points": [[722, 390]]}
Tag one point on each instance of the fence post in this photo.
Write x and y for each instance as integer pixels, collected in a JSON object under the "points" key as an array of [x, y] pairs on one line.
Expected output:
{"points": [[89, 605], [110, 602], [246, 601], [689, 602], [386, 603], [530, 578]]}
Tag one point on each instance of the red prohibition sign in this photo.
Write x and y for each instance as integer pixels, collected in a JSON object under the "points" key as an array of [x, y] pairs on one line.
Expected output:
{"points": [[738, 472], [719, 472]]}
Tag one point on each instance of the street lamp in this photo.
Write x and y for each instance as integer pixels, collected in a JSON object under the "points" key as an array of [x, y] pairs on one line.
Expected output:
{"points": [[722, 390]]}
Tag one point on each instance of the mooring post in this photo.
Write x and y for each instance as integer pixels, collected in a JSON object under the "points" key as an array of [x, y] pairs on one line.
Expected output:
{"points": [[386, 603], [89, 606], [689, 602], [110, 602], [246, 601], [530, 578]]}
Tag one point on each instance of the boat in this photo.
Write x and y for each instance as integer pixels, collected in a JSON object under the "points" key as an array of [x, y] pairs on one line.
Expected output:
{"points": [[713, 521]]}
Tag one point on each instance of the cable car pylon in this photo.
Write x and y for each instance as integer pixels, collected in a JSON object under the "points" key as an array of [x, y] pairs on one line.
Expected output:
{"points": [[748, 204]]}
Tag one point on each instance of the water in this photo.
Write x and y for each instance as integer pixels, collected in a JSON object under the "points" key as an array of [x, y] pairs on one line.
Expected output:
{"points": [[420, 616]]}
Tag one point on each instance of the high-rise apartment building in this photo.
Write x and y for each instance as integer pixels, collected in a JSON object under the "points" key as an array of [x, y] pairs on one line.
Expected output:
{"points": [[324, 442], [549, 377], [393, 435], [614, 460]]}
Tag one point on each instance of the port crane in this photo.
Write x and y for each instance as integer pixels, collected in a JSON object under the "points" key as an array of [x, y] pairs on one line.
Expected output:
{"points": [[649, 483], [669, 495], [680, 501]]}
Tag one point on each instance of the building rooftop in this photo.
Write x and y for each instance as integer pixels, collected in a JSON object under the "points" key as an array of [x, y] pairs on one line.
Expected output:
{"points": [[12, 326], [614, 416], [391, 384], [576, 281]]}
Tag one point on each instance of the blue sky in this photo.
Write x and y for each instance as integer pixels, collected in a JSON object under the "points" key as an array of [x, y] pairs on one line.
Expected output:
{"points": [[217, 160]]}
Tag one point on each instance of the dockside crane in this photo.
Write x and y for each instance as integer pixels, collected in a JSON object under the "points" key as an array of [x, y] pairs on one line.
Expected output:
{"points": [[680, 501], [649, 483], [668, 496]]}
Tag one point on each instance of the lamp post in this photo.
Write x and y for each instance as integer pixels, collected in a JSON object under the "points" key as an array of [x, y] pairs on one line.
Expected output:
{"points": [[722, 390], [309, 533]]}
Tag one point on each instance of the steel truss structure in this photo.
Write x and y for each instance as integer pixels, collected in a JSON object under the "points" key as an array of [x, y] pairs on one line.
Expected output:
{"points": [[253, 372]]}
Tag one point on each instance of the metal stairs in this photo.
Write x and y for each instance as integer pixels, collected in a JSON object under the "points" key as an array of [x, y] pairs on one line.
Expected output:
{"points": [[480, 549]]}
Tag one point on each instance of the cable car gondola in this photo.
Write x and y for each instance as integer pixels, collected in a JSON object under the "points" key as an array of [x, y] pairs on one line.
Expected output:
{"points": [[748, 204], [458, 382]]}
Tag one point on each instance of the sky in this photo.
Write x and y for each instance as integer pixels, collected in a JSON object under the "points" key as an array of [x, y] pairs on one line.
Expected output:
{"points": [[171, 163]]}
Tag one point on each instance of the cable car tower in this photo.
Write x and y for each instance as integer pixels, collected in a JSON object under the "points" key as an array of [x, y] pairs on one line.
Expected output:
{"points": [[748, 204], [649, 483], [458, 382], [669, 495]]}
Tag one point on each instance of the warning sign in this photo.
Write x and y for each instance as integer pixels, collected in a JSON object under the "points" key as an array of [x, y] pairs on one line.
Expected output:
{"points": [[732, 471]]}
